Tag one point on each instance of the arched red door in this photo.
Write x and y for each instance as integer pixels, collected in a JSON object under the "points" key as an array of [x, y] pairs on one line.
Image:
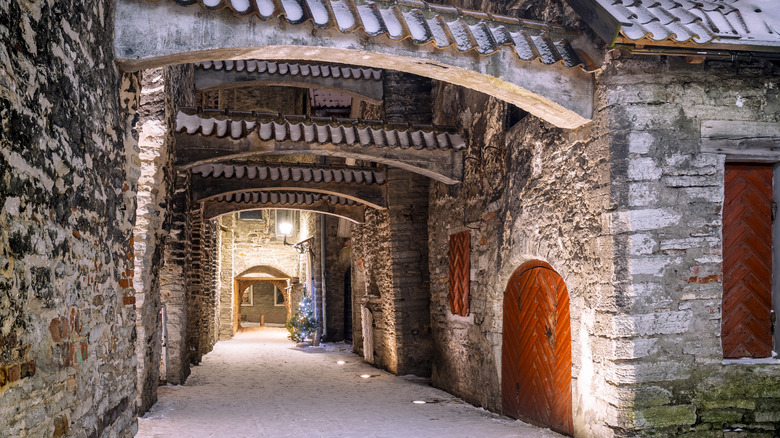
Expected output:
{"points": [[536, 348]]}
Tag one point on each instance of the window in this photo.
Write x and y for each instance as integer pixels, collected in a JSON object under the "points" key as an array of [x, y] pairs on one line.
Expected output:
{"points": [[747, 317], [278, 297], [251, 215]]}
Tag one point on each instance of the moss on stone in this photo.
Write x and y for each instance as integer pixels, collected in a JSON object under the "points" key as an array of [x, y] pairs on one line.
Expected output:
{"points": [[665, 416]]}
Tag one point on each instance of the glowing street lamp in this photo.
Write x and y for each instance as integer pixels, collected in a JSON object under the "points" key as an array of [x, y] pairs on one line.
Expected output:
{"points": [[285, 228]]}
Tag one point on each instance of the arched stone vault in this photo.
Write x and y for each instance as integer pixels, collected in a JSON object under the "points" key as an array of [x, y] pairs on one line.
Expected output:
{"points": [[205, 137], [529, 64]]}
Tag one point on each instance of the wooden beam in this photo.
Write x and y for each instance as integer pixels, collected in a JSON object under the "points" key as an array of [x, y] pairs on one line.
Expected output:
{"points": [[742, 141]]}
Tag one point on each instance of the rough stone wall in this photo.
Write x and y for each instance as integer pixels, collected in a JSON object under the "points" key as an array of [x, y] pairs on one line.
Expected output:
{"points": [[668, 229], [530, 191], [155, 157], [372, 286], [67, 191]]}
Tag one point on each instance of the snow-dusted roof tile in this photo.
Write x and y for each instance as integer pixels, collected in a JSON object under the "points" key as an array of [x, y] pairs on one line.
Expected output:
{"points": [[283, 198], [291, 172], [735, 25], [338, 131], [419, 21], [292, 69]]}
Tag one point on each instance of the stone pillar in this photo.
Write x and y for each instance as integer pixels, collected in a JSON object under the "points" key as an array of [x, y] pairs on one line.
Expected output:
{"points": [[408, 217], [152, 196], [226, 300], [173, 292]]}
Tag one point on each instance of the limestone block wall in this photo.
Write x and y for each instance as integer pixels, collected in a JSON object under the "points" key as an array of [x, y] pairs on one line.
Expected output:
{"points": [[68, 160], [668, 228], [530, 192]]}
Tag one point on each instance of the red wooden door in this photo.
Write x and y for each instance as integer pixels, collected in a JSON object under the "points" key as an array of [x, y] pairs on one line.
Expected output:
{"points": [[536, 348], [747, 262]]}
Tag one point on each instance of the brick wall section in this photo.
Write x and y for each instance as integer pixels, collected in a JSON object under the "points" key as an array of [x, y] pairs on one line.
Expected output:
{"points": [[173, 291], [408, 215], [530, 191], [66, 213], [227, 322], [194, 282], [668, 228]]}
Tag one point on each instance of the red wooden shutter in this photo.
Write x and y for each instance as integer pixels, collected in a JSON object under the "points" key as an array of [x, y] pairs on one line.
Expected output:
{"points": [[536, 349], [747, 262], [460, 246]]}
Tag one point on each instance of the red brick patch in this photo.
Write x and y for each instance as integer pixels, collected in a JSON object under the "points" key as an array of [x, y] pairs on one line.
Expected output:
{"points": [[128, 300], [54, 329], [706, 279]]}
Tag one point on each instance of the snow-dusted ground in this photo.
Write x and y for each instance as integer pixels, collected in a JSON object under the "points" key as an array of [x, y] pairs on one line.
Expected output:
{"points": [[259, 385]]}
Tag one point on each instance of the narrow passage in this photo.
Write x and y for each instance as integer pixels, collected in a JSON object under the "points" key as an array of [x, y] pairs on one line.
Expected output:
{"points": [[259, 385]]}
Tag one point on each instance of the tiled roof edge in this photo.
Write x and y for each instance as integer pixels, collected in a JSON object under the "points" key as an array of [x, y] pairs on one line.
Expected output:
{"points": [[419, 21]]}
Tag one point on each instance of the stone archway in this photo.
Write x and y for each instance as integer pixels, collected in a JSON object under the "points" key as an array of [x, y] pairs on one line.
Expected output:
{"points": [[498, 56], [242, 283]]}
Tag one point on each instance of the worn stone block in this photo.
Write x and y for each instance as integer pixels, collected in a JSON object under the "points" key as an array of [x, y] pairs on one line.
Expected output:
{"points": [[665, 416], [722, 416]]}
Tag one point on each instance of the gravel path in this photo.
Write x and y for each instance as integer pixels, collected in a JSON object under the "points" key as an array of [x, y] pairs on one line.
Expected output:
{"points": [[259, 385]]}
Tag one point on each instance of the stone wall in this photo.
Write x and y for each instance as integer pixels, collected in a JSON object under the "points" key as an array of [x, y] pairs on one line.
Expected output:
{"points": [[67, 191], [263, 304], [530, 192], [372, 287], [668, 352]]}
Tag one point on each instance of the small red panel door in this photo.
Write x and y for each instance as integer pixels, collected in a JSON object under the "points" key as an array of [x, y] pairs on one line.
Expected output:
{"points": [[460, 265], [746, 329], [536, 349]]}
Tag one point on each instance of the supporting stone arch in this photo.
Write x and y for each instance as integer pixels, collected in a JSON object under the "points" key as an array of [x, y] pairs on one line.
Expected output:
{"points": [[353, 213], [531, 65], [207, 136], [264, 271], [536, 359]]}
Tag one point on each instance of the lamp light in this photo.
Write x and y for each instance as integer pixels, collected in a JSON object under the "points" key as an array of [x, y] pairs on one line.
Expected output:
{"points": [[285, 228]]}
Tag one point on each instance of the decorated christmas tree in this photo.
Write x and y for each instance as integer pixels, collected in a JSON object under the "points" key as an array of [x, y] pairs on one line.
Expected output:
{"points": [[302, 324]]}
